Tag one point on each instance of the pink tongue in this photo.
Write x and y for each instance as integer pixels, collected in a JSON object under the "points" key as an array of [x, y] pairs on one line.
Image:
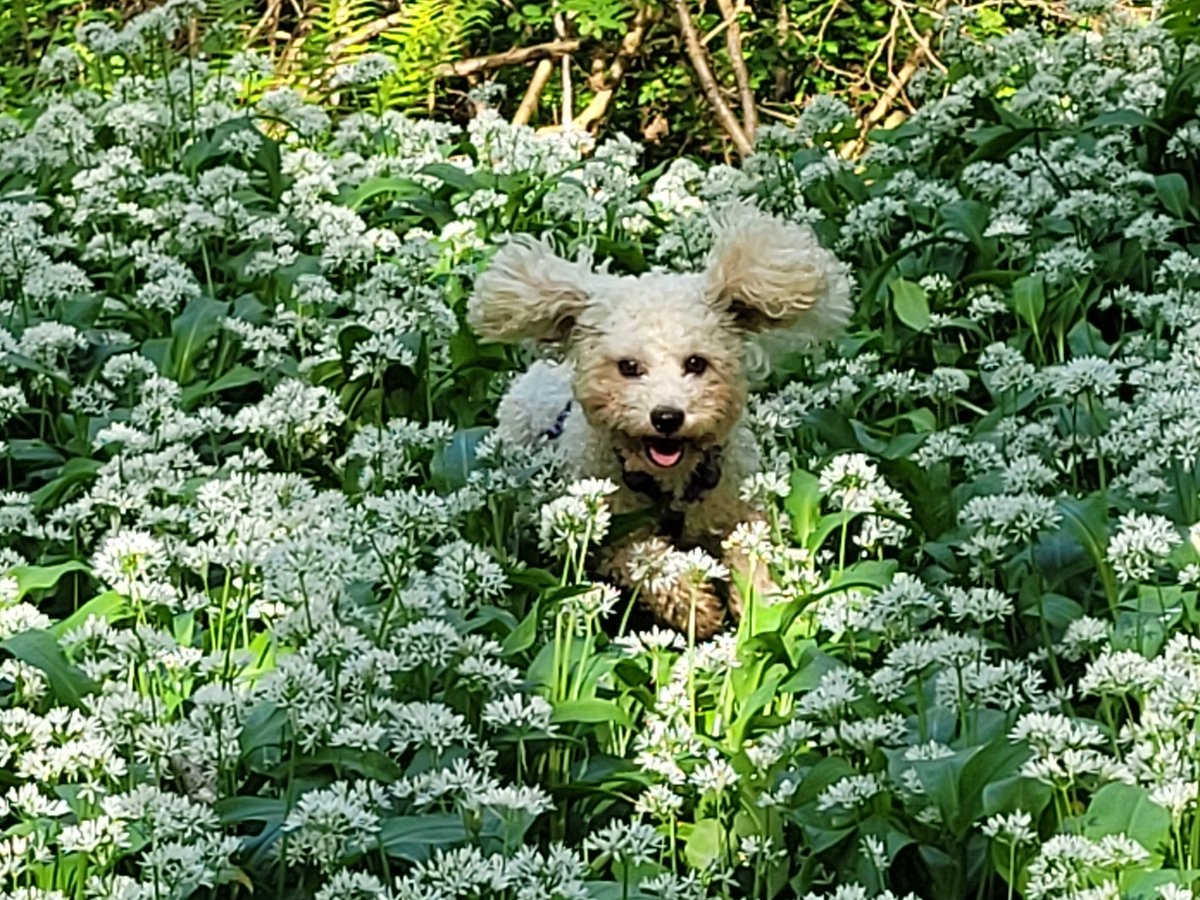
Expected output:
{"points": [[666, 460]]}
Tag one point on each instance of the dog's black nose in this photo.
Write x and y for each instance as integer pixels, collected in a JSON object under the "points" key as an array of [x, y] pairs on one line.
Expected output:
{"points": [[666, 419]]}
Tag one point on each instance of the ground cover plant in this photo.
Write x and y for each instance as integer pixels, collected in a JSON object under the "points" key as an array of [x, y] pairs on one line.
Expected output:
{"points": [[281, 617]]}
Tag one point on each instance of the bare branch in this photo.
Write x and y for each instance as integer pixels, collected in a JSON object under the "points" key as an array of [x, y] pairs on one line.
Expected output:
{"points": [[568, 92], [594, 112], [712, 91], [922, 40], [510, 57], [733, 44], [368, 31], [899, 80], [269, 20], [541, 77]]}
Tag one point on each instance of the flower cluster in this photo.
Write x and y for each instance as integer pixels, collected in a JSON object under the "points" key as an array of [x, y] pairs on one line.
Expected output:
{"points": [[278, 609]]}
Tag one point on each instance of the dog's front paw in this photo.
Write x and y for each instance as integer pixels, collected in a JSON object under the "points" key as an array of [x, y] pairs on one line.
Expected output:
{"points": [[686, 605], [676, 586]]}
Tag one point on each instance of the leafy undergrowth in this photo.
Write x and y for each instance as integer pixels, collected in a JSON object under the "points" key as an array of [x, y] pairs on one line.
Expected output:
{"points": [[283, 619]]}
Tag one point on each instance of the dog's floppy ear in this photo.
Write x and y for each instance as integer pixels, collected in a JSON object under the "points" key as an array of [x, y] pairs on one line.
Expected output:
{"points": [[768, 273], [529, 292]]}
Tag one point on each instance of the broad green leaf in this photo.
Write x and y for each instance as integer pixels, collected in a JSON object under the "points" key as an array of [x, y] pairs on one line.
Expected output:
{"points": [[452, 175], [383, 185], [73, 471], [1119, 808], [455, 462], [234, 810], [33, 451], [414, 837], [942, 779], [191, 330], [751, 706], [40, 649], [38, 578], [523, 636], [590, 710], [238, 376], [612, 890], [968, 216], [109, 606], [1172, 191], [704, 843], [1029, 299], [1015, 792], [910, 304], [803, 504]]}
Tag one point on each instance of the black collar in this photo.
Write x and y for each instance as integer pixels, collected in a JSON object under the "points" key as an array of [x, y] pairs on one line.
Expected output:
{"points": [[705, 477]]}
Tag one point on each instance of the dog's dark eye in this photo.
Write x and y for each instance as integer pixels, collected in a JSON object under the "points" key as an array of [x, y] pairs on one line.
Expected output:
{"points": [[695, 365], [629, 368]]}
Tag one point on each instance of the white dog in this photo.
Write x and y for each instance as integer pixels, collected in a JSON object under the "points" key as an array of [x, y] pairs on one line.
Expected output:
{"points": [[650, 385]]}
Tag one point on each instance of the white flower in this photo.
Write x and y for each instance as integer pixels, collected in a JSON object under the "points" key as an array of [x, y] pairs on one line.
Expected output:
{"points": [[127, 559], [326, 822], [628, 843], [714, 774], [1014, 828], [849, 792], [519, 711], [1141, 543]]}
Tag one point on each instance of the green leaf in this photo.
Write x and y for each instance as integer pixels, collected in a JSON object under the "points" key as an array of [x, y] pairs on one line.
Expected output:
{"points": [[590, 710], [910, 304], [452, 175], [703, 845], [33, 451], [803, 504], [73, 471], [234, 810], [1029, 299], [522, 637], [1172, 191], [750, 707], [941, 779], [40, 649], [369, 763], [1015, 792], [384, 185], [191, 330], [968, 216], [414, 837], [1127, 809], [109, 606], [454, 462], [38, 578], [238, 376]]}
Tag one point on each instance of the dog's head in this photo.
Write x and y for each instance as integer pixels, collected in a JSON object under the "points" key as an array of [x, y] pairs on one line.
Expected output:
{"points": [[660, 359]]}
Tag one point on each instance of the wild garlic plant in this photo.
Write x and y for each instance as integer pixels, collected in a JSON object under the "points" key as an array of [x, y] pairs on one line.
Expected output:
{"points": [[279, 613]]}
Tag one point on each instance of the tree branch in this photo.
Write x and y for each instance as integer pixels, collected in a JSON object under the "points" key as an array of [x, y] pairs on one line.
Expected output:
{"points": [[541, 77], [708, 83], [511, 57], [368, 31], [594, 112], [733, 43], [899, 81], [568, 91]]}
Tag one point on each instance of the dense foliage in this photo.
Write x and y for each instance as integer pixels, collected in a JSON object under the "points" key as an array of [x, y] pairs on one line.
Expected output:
{"points": [[627, 64], [281, 616]]}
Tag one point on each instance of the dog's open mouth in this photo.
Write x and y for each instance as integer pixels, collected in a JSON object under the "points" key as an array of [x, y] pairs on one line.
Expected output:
{"points": [[664, 452]]}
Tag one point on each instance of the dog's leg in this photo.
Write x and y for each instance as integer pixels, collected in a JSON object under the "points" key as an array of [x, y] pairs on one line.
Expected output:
{"points": [[677, 602]]}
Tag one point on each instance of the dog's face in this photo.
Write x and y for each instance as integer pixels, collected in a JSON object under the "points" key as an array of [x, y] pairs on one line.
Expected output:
{"points": [[660, 369], [659, 357]]}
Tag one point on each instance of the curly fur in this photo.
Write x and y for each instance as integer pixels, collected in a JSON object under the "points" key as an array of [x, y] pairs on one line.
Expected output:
{"points": [[763, 275]]}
